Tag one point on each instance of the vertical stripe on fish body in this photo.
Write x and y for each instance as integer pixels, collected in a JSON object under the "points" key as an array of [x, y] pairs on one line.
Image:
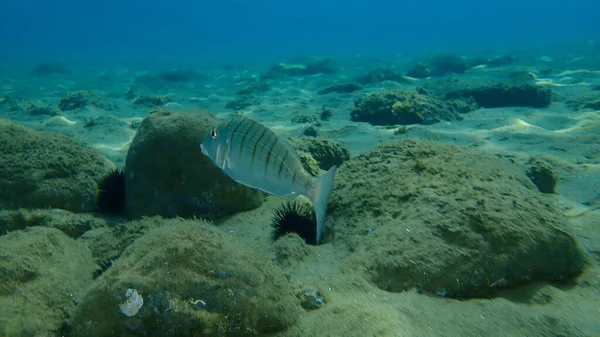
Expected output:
{"points": [[253, 155]]}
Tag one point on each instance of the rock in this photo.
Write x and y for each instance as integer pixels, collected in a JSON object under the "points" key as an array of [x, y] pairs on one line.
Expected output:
{"points": [[191, 279], [72, 224], [303, 118], [323, 150], [290, 249], [254, 89], [449, 221], [311, 299], [242, 102], [497, 95], [340, 88], [152, 101], [302, 67], [381, 75], [403, 106], [158, 80], [542, 175], [443, 64], [81, 99], [167, 175], [501, 61], [44, 274], [309, 163], [47, 170], [420, 70], [108, 243], [311, 131], [326, 114], [39, 109]]}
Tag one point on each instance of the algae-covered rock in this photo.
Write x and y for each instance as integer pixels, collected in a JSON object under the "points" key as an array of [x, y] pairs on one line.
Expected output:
{"points": [[326, 152], [191, 280], [167, 175], [43, 274], [72, 224], [542, 175], [494, 95], [341, 88], [108, 244], [81, 99], [42, 170], [448, 220], [403, 106], [380, 75], [242, 102], [419, 70], [443, 64]]}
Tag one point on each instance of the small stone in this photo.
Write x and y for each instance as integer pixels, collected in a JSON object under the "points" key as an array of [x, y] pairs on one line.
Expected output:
{"points": [[132, 304], [542, 176], [311, 299]]}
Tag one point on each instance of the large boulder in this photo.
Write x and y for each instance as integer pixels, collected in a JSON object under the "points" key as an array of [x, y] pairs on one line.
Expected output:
{"points": [[43, 274], [167, 175], [185, 278], [448, 220], [47, 170]]}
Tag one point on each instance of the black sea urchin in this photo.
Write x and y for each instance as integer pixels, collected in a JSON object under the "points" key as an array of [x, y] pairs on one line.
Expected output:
{"points": [[295, 217], [111, 193]]}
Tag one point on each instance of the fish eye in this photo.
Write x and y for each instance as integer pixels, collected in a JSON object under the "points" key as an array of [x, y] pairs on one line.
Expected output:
{"points": [[213, 134]]}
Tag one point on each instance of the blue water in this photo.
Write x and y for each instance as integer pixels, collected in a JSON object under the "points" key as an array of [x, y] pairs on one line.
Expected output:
{"points": [[241, 30]]}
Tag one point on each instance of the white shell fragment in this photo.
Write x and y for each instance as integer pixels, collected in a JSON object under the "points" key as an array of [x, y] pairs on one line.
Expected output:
{"points": [[132, 304]]}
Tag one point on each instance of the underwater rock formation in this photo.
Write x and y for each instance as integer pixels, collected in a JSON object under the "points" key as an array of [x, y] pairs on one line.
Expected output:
{"points": [[152, 101], [344, 88], [542, 175], [380, 75], [191, 279], [167, 175], [242, 102], [326, 152], [497, 95], [41, 109], [81, 99], [493, 94], [44, 274], [449, 221], [419, 70], [443, 64], [255, 88], [406, 106], [72, 224], [43, 169]]}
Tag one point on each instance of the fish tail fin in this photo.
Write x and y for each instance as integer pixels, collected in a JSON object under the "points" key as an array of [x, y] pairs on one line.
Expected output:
{"points": [[323, 188]]}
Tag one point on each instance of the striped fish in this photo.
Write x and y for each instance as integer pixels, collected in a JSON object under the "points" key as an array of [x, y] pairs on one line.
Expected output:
{"points": [[255, 156]]}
